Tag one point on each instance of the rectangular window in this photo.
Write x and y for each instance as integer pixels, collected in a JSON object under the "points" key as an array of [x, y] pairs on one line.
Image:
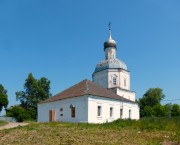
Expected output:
{"points": [[121, 113], [129, 114], [111, 111], [61, 109], [99, 111], [73, 112]]}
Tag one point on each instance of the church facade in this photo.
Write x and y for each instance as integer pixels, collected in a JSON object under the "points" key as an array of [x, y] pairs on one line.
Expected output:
{"points": [[105, 99]]}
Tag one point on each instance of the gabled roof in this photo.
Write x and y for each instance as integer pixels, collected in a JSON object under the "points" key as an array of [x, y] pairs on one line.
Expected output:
{"points": [[82, 88]]}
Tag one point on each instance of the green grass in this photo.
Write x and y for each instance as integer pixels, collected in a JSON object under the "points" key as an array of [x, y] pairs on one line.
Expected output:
{"points": [[2, 123], [149, 131], [153, 123]]}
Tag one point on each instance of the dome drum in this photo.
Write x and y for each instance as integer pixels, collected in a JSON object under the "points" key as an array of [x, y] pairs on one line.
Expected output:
{"points": [[110, 64]]}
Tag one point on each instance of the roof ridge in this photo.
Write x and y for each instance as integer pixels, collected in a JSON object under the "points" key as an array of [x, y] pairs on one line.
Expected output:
{"points": [[86, 86], [71, 87]]}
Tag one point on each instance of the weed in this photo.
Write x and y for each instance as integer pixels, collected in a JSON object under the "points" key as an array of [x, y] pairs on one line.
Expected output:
{"points": [[132, 132]]}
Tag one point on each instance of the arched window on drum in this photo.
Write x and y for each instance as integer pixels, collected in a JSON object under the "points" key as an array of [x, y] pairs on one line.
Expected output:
{"points": [[114, 80], [125, 82]]}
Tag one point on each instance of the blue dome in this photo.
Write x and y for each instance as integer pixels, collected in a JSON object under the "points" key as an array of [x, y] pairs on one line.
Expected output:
{"points": [[110, 63]]}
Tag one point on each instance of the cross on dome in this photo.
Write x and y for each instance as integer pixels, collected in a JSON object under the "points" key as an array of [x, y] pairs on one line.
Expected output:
{"points": [[110, 30], [110, 42]]}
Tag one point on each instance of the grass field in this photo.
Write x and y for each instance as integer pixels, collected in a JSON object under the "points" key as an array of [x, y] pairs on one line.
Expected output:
{"points": [[149, 131], [2, 123]]}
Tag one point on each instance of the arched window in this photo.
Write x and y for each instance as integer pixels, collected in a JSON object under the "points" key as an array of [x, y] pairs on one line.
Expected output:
{"points": [[73, 112], [121, 113], [125, 83], [111, 111], [129, 113], [99, 111], [114, 81]]}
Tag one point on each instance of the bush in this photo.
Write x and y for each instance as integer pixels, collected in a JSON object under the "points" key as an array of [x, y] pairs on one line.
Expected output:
{"points": [[18, 112]]}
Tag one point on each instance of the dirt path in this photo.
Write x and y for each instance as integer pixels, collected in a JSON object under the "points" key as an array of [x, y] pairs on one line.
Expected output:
{"points": [[12, 125]]}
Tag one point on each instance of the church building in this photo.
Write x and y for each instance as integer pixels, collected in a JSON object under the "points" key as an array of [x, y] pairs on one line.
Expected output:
{"points": [[105, 99]]}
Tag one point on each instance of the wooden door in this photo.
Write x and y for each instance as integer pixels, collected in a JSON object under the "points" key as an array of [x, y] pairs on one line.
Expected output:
{"points": [[51, 115]]}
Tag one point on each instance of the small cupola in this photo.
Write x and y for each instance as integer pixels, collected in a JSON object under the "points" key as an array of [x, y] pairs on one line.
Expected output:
{"points": [[110, 42]]}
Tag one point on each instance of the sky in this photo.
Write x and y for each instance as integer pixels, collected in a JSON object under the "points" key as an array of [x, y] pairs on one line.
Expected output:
{"points": [[62, 40]]}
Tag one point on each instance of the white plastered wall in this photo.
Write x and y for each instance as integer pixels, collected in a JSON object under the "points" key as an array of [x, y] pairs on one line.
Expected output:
{"points": [[101, 78], [86, 109], [126, 94], [105, 79], [106, 103], [121, 75], [80, 104]]}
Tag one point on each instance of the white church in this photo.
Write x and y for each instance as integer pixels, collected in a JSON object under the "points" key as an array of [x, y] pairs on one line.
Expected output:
{"points": [[106, 99]]}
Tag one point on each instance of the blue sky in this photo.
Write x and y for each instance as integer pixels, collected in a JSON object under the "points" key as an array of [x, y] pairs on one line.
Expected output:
{"points": [[63, 41]]}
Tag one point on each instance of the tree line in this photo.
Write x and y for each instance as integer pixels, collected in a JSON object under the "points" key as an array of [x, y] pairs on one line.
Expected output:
{"points": [[150, 105], [37, 90]]}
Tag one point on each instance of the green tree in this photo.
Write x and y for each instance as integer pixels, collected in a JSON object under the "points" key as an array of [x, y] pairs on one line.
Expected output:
{"points": [[3, 98], [175, 110], [147, 111], [150, 99], [160, 110], [18, 112], [157, 110], [168, 108], [34, 91]]}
